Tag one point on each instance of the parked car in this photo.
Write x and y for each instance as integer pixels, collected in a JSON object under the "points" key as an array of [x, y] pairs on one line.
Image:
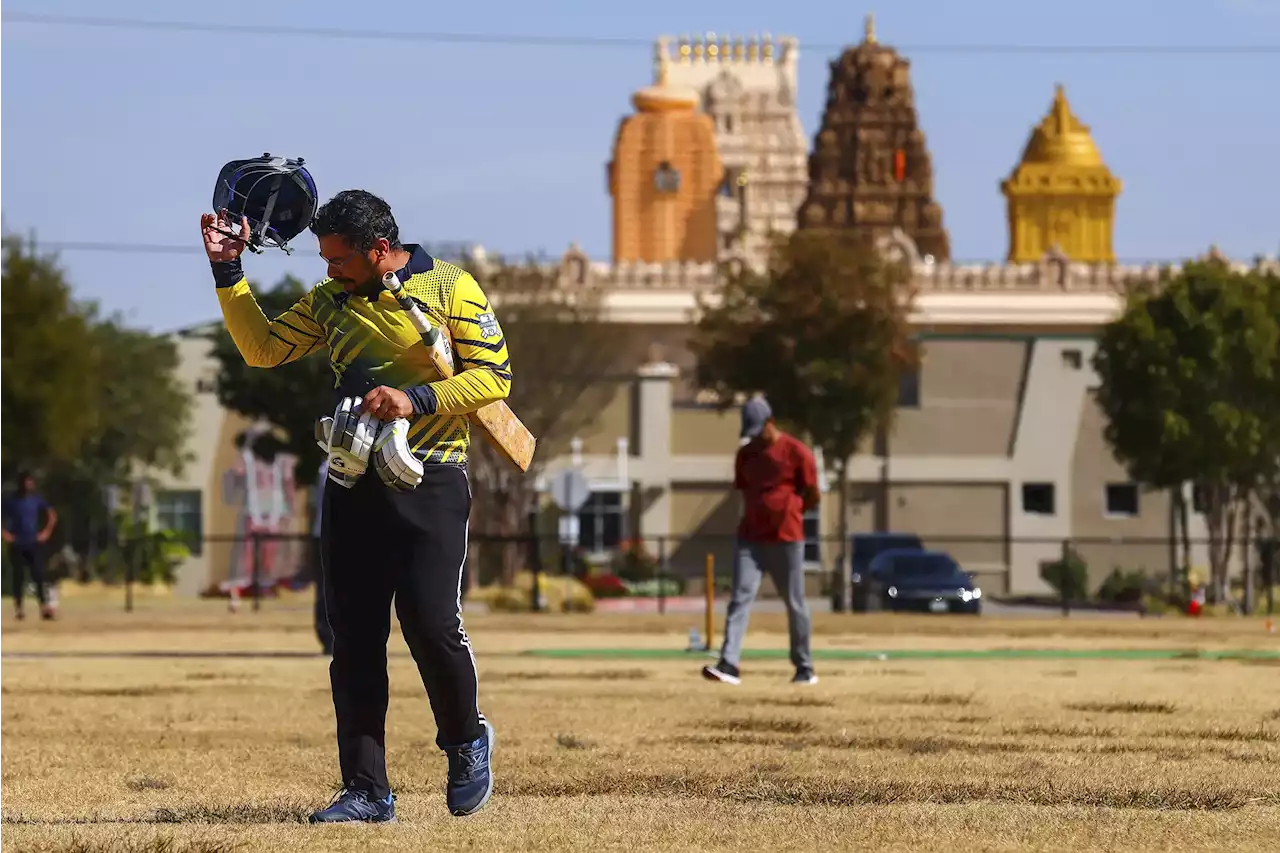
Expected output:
{"points": [[866, 546], [927, 581]]}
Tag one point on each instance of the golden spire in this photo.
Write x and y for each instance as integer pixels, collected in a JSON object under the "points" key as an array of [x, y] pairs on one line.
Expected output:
{"points": [[1061, 193], [1061, 137], [870, 29]]}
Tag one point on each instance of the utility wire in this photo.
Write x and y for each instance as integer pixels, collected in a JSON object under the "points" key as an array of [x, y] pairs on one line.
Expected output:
{"points": [[435, 249], [242, 29]]}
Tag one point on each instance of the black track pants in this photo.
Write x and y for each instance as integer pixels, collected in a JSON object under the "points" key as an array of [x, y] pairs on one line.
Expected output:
{"points": [[378, 545], [28, 559]]}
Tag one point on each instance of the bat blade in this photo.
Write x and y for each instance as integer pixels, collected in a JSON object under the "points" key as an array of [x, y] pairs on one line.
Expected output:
{"points": [[504, 430]]}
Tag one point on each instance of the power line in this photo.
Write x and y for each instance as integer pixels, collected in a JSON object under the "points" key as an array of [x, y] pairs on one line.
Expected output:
{"points": [[528, 40], [437, 249]]}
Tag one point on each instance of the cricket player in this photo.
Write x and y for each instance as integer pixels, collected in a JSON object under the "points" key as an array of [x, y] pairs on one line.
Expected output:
{"points": [[383, 540], [778, 478]]}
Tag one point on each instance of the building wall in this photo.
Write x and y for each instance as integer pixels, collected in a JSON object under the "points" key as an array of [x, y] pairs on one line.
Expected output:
{"points": [[197, 370], [703, 430], [961, 494], [969, 396], [1094, 469], [704, 517]]}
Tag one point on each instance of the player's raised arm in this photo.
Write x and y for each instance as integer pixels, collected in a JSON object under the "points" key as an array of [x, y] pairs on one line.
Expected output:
{"points": [[262, 342], [481, 360]]}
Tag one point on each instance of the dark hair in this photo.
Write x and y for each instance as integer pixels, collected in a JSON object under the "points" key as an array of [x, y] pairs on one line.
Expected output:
{"points": [[359, 217]]}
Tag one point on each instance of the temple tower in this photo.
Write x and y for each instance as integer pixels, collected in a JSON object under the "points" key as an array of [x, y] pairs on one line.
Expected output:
{"points": [[1061, 196], [748, 88], [870, 170], [664, 176]]}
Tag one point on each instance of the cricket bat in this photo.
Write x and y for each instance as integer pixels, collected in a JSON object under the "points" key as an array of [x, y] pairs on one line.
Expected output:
{"points": [[511, 437]]}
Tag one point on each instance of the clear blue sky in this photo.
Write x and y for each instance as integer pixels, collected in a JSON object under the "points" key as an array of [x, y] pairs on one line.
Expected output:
{"points": [[118, 135]]}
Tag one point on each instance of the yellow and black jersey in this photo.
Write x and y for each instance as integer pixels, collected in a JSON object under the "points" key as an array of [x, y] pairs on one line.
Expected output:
{"points": [[371, 342]]}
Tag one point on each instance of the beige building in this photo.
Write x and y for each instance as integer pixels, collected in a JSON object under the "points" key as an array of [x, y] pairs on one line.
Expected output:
{"points": [[998, 453]]}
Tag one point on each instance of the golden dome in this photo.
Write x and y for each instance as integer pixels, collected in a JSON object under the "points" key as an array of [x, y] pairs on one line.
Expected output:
{"points": [[1061, 138], [662, 97]]}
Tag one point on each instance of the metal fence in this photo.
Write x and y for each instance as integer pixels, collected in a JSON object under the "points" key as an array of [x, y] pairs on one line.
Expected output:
{"points": [[665, 566]]}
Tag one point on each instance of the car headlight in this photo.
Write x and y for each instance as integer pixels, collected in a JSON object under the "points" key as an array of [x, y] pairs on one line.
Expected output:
{"points": [[965, 595], [977, 592], [856, 577], [892, 591]]}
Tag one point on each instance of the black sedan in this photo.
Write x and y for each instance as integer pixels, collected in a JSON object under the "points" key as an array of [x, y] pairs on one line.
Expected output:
{"points": [[924, 581]]}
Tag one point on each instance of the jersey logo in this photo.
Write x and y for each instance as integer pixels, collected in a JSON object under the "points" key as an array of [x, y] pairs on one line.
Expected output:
{"points": [[488, 325]]}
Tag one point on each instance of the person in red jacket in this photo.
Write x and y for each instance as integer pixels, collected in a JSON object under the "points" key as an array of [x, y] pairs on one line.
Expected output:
{"points": [[778, 479]]}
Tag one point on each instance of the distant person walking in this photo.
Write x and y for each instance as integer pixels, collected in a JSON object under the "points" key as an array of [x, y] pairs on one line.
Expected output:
{"points": [[26, 535], [778, 478]]}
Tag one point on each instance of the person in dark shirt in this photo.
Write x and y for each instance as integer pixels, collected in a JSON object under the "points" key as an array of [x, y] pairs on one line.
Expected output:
{"points": [[778, 478], [26, 534]]}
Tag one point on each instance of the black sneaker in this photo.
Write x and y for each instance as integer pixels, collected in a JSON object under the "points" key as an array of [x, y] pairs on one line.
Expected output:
{"points": [[804, 676], [723, 672]]}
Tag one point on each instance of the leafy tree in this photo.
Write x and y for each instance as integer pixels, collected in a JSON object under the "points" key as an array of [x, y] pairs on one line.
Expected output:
{"points": [[293, 396], [1190, 376], [87, 401], [562, 354], [823, 332], [50, 365], [143, 428]]}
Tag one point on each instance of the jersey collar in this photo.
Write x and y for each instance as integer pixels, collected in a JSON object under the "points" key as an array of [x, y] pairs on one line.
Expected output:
{"points": [[419, 262]]}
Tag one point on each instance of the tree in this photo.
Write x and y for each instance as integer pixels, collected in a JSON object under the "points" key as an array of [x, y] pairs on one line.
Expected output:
{"points": [[563, 354], [824, 333], [87, 401], [1190, 374], [142, 429], [50, 364], [292, 397]]}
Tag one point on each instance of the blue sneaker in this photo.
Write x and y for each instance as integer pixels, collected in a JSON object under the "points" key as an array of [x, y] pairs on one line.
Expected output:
{"points": [[470, 778], [353, 806]]}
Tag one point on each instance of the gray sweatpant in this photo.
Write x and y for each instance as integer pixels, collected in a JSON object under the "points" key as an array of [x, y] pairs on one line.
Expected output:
{"points": [[784, 562]]}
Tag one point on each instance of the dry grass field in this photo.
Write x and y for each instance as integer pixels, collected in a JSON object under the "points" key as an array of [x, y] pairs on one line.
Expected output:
{"points": [[222, 750]]}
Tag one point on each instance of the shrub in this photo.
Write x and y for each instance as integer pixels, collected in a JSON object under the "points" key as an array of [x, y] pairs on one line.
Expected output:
{"points": [[633, 562], [658, 587], [1127, 586], [560, 594], [606, 586], [1069, 576]]}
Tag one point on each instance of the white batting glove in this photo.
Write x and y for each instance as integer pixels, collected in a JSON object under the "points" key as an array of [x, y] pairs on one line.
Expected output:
{"points": [[324, 426], [393, 460], [350, 441]]}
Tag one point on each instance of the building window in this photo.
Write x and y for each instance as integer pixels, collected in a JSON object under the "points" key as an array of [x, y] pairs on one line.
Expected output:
{"points": [[1038, 498], [182, 512], [602, 522], [1122, 499], [1072, 359], [666, 179], [813, 537], [909, 389]]}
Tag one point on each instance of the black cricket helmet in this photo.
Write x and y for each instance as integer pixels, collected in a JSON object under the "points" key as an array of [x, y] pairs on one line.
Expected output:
{"points": [[277, 195]]}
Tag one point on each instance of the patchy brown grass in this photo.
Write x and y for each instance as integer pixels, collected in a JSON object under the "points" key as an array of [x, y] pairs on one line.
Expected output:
{"points": [[213, 755], [1123, 707]]}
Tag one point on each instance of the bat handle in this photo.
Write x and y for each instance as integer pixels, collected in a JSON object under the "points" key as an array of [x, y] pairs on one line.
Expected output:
{"points": [[392, 283]]}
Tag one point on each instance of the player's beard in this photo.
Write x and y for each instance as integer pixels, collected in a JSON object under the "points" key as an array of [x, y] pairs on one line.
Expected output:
{"points": [[367, 287]]}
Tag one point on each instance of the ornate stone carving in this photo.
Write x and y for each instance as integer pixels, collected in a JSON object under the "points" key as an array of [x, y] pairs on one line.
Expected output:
{"points": [[872, 150]]}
